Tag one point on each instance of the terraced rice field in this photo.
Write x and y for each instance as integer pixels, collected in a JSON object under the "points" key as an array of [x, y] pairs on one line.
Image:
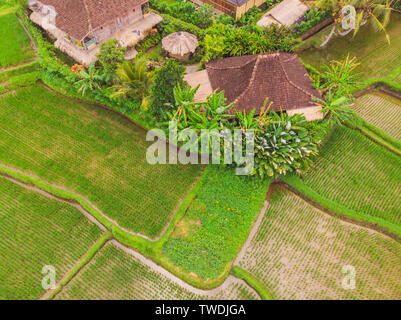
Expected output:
{"points": [[116, 274], [36, 231], [359, 174], [382, 111], [377, 57], [299, 253], [15, 46], [94, 152]]}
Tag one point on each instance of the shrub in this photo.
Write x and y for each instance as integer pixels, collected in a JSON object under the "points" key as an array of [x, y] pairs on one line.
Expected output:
{"points": [[170, 25], [166, 78], [311, 18]]}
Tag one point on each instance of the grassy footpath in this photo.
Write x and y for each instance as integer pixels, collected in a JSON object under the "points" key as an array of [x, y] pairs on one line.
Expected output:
{"points": [[81, 263], [36, 231], [94, 152], [115, 274], [253, 282]]}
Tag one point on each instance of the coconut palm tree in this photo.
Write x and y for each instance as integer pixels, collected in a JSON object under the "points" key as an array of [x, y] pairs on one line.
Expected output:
{"points": [[134, 81], [376, 12]]}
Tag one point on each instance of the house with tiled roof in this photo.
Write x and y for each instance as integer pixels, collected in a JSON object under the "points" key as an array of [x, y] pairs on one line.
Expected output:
{"points": [[79, 26], [248, 81]]}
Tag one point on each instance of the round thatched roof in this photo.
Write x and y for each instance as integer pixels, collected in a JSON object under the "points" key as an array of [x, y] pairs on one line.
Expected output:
{"points": [[180, 43]]}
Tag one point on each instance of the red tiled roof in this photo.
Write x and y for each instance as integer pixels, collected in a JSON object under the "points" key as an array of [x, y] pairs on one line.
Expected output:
{"points": [[78, 17], [249, 80]]}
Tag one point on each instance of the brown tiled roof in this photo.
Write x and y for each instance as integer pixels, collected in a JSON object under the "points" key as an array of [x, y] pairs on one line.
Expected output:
{"points": [[78, 17], [249, 80]]}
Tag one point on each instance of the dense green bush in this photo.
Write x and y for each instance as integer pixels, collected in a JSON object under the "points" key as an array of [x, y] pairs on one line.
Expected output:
{"points": [[227, 41], [152, 40], [168, 76], [312, 18], [170, 25], [186, 11]]}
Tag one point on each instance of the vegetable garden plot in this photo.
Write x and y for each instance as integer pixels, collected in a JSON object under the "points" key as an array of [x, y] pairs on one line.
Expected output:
{"points": [[382, 111], [217, 223], [36, 231], [94, 152], [299, 252], [15, 46], [359, 174], [115, 274]]}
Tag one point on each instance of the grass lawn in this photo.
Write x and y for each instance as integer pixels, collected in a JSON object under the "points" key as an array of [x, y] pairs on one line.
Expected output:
{"points": [[114, 274], [36, 231], [217, 223], [377, 58], [381, 110], [94, 152], [15, 46], [359, 174], [299, 252]]}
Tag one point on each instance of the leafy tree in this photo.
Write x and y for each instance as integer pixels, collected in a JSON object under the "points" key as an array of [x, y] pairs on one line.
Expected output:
{"points": [[339, 76], [134, 81], [110, 56], [336, 108], [166, 78], [90, 80], [203, 16]]}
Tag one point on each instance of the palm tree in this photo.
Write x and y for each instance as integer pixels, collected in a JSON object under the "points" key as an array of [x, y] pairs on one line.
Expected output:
{"points": [[90, 80], [336, 108], [376, 12], [134, 81], [339, 76]]}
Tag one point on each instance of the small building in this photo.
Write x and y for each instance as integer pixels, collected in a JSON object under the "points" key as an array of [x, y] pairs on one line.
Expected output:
{"points": [[234, 8], [248, 80], [180, 45], [79, 26], [286, 13]]}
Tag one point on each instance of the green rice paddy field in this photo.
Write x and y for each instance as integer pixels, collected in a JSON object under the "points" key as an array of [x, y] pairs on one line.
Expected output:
{"points": [[381, 110], [15, 45], [36, 231], [299, 252], [377, 57], [359, 174], [116, 274], [94, 152]]}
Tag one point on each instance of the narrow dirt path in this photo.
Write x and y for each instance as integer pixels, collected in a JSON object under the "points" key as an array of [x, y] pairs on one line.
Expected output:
{"points": [[50, 196], [212, 292], [148, 262], [76, 204]]}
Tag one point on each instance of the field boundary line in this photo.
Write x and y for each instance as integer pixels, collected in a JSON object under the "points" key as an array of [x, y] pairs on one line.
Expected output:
{"points": [[81, 263], [376, 224], [159, 269], [49, 195], [79, 201], [253, 232]]}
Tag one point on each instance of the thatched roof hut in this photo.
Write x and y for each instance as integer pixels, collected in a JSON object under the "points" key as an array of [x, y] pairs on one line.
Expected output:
{"points": [[180, 45], [286, 13]]}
